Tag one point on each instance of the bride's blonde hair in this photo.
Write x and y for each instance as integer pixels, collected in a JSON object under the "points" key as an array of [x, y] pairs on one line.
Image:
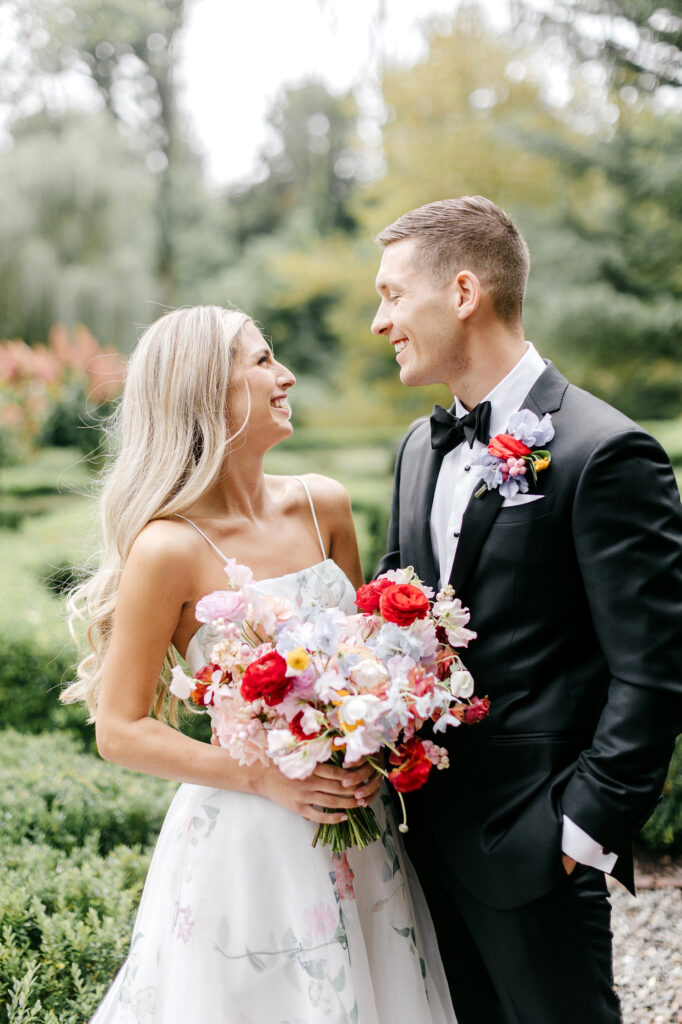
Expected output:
{"points": [[170, 435]]}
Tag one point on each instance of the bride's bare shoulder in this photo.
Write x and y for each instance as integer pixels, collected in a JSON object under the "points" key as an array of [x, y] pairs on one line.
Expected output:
{"points": [[327, 494], [168, 544]]}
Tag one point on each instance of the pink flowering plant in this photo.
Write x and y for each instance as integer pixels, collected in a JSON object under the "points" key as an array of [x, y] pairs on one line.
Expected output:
{"points": [[331, 687]]}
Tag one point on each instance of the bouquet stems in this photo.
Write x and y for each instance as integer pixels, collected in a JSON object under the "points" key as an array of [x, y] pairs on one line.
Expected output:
{"points": [[360, 829]]}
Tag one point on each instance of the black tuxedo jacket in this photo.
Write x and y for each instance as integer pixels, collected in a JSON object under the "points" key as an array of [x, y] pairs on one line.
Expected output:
{"points": [[577, 602]]}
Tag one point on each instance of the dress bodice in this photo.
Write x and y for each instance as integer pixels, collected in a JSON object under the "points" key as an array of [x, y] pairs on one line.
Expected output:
{"points": [[324, 585]]}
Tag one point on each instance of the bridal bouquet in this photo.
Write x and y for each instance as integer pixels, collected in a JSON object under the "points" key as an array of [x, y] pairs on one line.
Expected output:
{"points": [[302, 688]]}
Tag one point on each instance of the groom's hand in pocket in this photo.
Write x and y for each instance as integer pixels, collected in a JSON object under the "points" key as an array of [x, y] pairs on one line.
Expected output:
{"points": [[568, 863]]}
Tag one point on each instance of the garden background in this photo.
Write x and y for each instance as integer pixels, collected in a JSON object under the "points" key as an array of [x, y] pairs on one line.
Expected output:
{"points": [[108, 218]]}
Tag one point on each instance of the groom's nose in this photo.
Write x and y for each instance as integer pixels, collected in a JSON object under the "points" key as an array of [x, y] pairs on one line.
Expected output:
{"points": [[380, 323]]}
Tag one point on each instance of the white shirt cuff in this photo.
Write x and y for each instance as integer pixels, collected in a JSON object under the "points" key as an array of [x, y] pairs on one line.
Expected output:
{"points": [[581, 847]]}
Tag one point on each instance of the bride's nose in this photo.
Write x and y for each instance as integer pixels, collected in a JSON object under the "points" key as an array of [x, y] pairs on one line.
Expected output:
{"points": [[285, 377]]}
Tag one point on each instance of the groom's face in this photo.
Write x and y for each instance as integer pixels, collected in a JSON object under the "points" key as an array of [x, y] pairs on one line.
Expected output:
{"points": [[417, 316]]}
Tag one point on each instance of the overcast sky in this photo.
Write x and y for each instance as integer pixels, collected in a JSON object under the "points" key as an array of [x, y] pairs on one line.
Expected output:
{"points": [[247, 50]]}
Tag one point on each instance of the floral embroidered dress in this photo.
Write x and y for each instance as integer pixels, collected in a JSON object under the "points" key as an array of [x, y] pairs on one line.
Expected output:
{"points": [[242, 922]]}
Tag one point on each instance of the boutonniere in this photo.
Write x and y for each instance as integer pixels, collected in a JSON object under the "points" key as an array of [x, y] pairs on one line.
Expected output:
{"points": [[514, 456]]}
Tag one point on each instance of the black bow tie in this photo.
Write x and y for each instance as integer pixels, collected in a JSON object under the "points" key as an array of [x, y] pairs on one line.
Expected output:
{"points": [[448, 430]]}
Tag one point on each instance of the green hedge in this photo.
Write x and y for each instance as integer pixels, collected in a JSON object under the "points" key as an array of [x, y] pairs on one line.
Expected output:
{"points": [[65, 926], [75, 840], [663, 830], [52, 793], [30, 681]]}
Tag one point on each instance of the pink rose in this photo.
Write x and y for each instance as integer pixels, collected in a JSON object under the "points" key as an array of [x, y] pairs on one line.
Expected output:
{"points": [[229, 605]]}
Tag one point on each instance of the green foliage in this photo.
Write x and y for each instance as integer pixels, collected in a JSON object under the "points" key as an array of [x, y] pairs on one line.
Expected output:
{"points": [[663, 831], [30, 680], [53, 793], [77, 237], [65, 924], [75, 846]]}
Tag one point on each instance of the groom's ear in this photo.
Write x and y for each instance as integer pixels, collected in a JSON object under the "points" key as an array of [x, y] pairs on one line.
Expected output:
{"points": [[466, 294]]}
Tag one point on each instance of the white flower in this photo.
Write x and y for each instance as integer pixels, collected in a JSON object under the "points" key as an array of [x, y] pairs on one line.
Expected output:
{"points": [[312, 720], [327, 685], [358, 709], [461, 683], [368, 673], [362, 742], [181, 684], [302, 762]]}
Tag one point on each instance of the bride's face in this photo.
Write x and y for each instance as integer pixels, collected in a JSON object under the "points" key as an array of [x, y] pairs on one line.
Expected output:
{"points": [[258, 376]]}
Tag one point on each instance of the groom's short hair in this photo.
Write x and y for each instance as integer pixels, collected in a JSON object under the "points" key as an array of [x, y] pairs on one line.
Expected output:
{"points": [[469, 233]]}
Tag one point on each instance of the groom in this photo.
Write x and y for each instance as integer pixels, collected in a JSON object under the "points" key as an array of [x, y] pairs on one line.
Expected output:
{"points": [[575, 590]]}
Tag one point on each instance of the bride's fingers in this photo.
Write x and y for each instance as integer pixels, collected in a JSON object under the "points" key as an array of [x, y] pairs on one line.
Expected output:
{"points": [[322, 817], [345, 778]]}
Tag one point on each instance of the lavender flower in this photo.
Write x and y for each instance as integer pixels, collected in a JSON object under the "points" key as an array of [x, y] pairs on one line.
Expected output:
{"points": [[525, 426], [488, 468], [393, 639]]}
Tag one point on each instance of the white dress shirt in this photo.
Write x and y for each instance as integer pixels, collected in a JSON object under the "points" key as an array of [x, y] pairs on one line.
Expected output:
{"points": [[454, 488]]}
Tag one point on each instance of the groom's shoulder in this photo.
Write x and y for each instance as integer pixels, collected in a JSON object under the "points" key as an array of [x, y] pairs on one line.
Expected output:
{"points": [[418, 433], [589, 424]]}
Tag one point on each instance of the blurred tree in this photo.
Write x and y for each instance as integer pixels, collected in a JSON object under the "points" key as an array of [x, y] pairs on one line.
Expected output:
{"points": [[310, 168], [122, 52], [639, 40], [615, 244], [77, 232]]}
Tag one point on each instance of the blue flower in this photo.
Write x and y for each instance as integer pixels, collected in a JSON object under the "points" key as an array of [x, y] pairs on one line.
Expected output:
{"points": [[525, 426], [393, 639], [488, 468], [326, 633], [513, 485]]}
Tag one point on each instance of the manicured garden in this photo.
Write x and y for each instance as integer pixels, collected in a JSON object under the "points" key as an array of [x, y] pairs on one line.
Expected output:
{"points": [[76, 833]]}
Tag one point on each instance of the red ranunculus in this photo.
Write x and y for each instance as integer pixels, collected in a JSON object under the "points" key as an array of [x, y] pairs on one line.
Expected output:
{"points": [[504, 446], [266, 678], [297, 730], [368, 596], [413, 766], [474, 712], [402, 603]]}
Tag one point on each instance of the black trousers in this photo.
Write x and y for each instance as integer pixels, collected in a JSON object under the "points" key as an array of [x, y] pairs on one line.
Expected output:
{"points": [[549, 962]]}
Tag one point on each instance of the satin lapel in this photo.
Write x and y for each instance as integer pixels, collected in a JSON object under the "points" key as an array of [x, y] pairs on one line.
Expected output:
{"points": [[478, 518], [422, 485], [546, 395]]}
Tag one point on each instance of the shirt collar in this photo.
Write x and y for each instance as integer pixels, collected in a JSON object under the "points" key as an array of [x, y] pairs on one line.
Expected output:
{"points": [[507, 396]]}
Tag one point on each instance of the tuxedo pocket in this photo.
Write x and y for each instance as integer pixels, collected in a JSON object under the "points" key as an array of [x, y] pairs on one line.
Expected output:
{"points": [[527, 511], [521, 499]]}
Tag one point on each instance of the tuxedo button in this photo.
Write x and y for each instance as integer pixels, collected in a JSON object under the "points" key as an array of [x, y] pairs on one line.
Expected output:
{"points": [[467, 468], [455, 533]]}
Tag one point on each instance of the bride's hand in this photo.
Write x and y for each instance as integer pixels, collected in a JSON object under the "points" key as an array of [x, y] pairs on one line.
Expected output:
{"points": [[328, 790], [325, 794]]}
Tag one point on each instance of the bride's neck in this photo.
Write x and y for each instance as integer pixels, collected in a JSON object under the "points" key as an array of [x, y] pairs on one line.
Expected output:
{"points": [[241, 490]]}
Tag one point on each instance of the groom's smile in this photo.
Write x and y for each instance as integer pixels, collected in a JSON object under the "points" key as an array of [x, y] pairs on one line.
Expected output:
{"points": [[415, 314]]}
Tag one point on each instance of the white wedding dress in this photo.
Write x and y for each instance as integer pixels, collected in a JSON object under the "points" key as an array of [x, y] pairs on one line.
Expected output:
{"points": [[242, 922]]}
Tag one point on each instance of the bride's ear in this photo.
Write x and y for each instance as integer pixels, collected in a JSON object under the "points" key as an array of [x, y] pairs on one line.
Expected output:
{"points": [[466, 294]]}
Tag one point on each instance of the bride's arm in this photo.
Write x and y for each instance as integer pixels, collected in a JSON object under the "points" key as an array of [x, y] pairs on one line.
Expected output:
{"points": [[152, 593]]}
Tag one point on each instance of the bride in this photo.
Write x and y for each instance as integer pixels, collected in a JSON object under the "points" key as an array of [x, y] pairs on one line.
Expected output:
{"points": [[241, 921]]}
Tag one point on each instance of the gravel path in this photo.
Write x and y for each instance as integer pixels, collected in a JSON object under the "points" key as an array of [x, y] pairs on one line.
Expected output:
{"points": [[647, 948]]}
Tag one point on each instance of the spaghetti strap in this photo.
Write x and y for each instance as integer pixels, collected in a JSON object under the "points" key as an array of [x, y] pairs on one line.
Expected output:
{"points": [[208, 539], [312, 509]]}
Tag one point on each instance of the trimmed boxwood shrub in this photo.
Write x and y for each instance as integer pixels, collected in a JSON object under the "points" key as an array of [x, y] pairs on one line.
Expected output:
{"points": [[65, 926], [663, 830], [51, 792]]}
